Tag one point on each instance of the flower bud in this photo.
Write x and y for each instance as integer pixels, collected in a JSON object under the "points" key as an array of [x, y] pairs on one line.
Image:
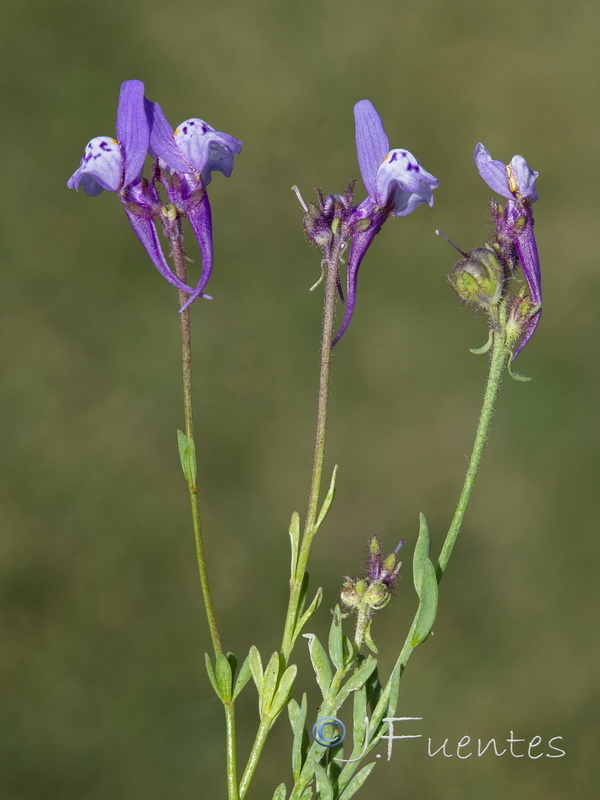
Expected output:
{"points": [[377, 595], [479, 278], [316, 227]]}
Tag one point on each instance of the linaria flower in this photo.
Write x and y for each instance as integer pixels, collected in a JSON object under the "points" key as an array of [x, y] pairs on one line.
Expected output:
{"points": [[516, 182], [186, 158], [396, 184]]}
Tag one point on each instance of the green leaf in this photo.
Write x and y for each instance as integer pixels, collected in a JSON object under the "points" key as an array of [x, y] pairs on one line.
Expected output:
{"points": [[428, 598], [211, 675], [421, 553], [297, 714], [394, 690], [328, 500], [336, 652], [269, 683], [280, 792], [294, 542], [359, 713], [256, 668], [324, 788], [224, 677], [357, 781], [320, 662], [187, 455], [243, 677], [356, 681], [369, 639], [309, 612], [283, 689]]}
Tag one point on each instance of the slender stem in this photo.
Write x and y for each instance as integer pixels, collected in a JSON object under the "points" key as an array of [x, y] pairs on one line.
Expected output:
{"points": [[257, 747], [176, 240], [498, 360], [232, 788], [332, 265]]}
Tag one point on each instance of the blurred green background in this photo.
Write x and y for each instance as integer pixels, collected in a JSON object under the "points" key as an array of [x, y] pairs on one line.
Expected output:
{"points": [[103, 691]]}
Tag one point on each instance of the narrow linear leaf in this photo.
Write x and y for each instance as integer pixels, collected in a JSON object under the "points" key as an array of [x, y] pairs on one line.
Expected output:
{"points": [[280, 792], [294, 543], [356, 681], [336, 650], [428, 599], [224, 677], [324, 787], [309, 612], [359, 713], [283, 689], [297, 714], [357, 781], [269, 683], [187, 455], [320, 662], [328, 500], [211, 675], [421, 554], [256, 668], [243, 677]]}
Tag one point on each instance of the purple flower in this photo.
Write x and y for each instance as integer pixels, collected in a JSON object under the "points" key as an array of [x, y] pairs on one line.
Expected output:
{"points": [[396, 184], [116, 165], [186, 159], [516, 182], [193, 151]]}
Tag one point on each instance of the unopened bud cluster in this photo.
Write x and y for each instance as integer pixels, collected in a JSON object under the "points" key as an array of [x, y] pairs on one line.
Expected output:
{"points": [[373, 592]]}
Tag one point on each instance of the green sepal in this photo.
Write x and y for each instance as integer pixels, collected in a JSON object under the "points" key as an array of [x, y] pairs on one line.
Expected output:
{"points": [[309, 612], [357, 781], [187, 454], [428, 598], [284, 687], [280, 792], [324, 787], [356, 681], [516, 376], [243, 677], [224, 677], [479, 351], [295, 543], [256, 668], [320, 662], [269, 684], [328, 500], [336, 642], [211, 675], [297, 715]]}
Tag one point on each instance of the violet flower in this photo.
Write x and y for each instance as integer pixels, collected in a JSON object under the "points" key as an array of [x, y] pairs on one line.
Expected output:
{"points": [[396, 184], [193, 152], [516, 182], [185, 160], [116, 165]]}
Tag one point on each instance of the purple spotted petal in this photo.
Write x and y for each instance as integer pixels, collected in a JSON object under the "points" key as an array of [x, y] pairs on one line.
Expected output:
{"points": [[206, 149], [403, 182], [133, 131], [492, 172], [524, 178], [372, 144], [101, 167], [146, 233], [162, 141]]}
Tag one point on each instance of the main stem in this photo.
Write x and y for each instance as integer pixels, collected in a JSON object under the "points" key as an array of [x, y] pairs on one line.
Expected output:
{"points": [[332, 265], [176, 241]]}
